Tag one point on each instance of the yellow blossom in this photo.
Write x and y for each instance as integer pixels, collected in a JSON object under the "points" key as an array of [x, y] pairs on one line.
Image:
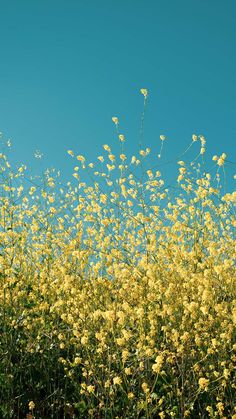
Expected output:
{"points": [[123, 157], [81, 158], [115, 120], [158, 364], [203, 383], [117, 380], [121, 137], [144, 92], [31, 405], [91, 389]]}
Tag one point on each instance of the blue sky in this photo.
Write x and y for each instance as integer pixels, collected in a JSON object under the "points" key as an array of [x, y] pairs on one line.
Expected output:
{"points": [[68, 66]]}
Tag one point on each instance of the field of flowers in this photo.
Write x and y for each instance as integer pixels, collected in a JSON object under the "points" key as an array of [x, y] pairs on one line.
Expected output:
{"points": [[117, 294]]}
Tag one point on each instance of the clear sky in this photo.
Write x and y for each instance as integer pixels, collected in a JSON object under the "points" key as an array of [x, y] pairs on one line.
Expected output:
{"points": [[68, 66]]}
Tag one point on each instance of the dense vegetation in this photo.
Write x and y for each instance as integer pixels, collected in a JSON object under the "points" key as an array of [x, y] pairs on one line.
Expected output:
{"points": [[117, 294]]}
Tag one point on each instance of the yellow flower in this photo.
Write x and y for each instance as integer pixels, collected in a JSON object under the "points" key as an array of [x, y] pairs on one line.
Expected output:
{"points": [[162, 137], [150, 174], [121, 137], [70, 152], [77, 360], [145, 387], [91, 389], [220, 408], [81, 158], [115, 120], [117, 381], [221, 160], [120, 341], [84, 340], [112, 157], [194, 137], [210, 410], [107, 148], [31, 405], [203, 383], [144, 92], [107, 384], [110, 167], [125, 355], [202, 139], [158, 364], [142, 153]]}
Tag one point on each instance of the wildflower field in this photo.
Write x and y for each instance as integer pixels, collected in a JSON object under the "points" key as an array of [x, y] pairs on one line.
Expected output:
{"points": [[117, 296]]}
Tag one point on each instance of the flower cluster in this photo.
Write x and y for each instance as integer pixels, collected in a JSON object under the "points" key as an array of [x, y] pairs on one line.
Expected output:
{"points": [[117, 297]]}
